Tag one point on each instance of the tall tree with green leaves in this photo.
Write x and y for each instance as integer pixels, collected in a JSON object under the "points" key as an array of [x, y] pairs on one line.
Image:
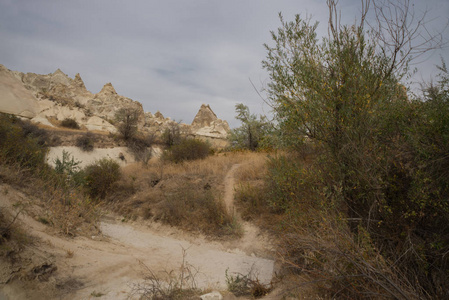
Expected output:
{"points": [[343, 95], [252, 131]]}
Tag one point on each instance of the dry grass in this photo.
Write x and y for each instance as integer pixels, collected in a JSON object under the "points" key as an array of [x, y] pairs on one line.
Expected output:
{"points": [[250, 190], [188, 195], [253, 167]]}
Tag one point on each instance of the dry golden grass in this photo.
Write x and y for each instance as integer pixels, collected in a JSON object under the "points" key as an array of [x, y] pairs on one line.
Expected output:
{"points": [[253, 167], [159, 190]]}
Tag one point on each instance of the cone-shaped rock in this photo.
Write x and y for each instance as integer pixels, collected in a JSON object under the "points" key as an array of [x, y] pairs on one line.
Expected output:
{"points": [[204, 117], [108, 89]]}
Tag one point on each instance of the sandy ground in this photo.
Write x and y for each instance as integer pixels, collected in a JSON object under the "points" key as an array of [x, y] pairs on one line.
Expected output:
{"points": [[118, 259]]}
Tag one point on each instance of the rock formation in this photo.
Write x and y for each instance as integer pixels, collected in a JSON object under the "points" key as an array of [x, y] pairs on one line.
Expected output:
{"points": [[207, 126], [14, 97], [56, 96]]}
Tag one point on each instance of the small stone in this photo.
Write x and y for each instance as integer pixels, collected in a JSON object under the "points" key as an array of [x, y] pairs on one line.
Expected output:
{"points": [[212, 296]]}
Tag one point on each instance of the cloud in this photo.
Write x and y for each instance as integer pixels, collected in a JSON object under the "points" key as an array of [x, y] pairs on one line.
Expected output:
{"points": [[169, 55]]}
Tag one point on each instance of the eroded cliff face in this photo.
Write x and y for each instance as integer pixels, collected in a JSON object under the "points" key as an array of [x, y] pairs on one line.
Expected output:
{"points": [[56, 96]]}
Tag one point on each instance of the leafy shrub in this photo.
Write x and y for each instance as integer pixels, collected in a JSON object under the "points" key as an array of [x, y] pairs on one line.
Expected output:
{"points": [[188, 149], [100, 177], [70, 123], [21, 147], [85, 142], [67, 164]]}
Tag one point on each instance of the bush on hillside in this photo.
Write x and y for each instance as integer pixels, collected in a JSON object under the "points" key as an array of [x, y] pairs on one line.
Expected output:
{"points": [[100, 177], [85, 142], [70, 123], [127, 119], [21, 147], [140, 146], [188, 149]]}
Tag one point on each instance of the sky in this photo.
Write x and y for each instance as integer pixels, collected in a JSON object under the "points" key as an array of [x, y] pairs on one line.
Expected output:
{"points": [[171, 55]]}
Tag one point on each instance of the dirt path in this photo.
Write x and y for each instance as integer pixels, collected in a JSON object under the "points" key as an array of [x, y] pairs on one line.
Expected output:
{"points": [[229, 189], [112, 263]]}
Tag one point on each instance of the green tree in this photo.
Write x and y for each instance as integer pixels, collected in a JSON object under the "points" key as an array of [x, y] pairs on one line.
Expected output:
{"points": [[342, 95], [252, 131]]}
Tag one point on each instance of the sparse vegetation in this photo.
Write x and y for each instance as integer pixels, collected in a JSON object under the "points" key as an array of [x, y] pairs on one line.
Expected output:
{"points": [[140, 146], [12, 237], [127, 119], [21, 147], [194, 207], [70, 123], [23, 164], [85, 142], [188, 149], [100, 177], [174, 284], [251, 133], [245, 285]]}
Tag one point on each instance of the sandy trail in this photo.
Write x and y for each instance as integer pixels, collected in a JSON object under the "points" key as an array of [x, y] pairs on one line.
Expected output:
{"points": [[229, 189], [112, 263]]}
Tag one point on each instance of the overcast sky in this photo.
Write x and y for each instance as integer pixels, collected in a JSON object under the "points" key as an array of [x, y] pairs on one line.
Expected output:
{"points": [[170, 55]]}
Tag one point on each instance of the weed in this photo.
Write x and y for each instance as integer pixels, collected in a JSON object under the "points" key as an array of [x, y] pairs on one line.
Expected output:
{"points": [[69, 253], [67, 165], [249, 284], [12, 237], [169, 285]]}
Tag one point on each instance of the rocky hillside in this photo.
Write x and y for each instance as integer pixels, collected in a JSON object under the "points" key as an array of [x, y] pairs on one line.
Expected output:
{"points": [[49, 99]]}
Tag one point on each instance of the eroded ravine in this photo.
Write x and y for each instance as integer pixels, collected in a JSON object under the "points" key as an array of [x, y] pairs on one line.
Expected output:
{"points": [[111, 264]]}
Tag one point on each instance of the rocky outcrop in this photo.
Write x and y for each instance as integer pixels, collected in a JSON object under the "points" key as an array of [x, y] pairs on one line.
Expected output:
{"points": [[208, 126], [14, 97], [56, 96], [107, 103]]}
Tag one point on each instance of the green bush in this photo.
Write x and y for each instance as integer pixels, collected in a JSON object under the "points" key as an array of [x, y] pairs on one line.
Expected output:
{"points": [[100, 177], [188, 149], [70, 123], [67, 164]]}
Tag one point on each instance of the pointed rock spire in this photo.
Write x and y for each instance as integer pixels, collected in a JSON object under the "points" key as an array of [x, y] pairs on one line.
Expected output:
{"points": [[204, 117], [78, 82], [159, 115], [108, 89]]}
